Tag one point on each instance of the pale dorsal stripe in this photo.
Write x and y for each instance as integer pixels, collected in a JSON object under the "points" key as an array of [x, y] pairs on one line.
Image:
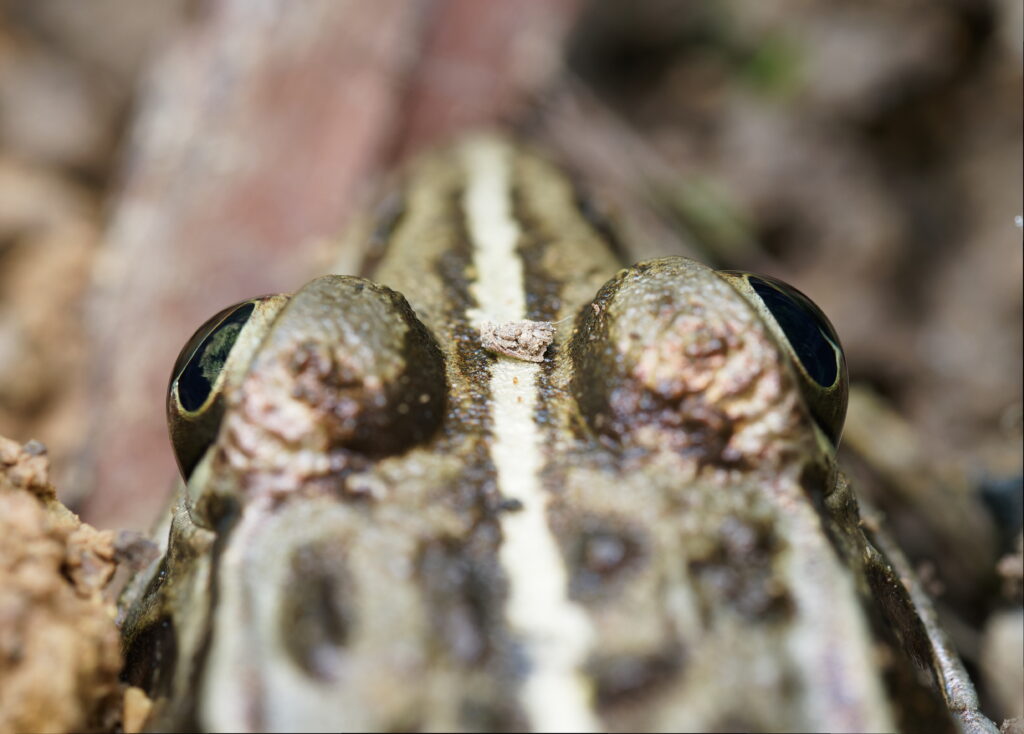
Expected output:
{"points": [[555, 632]]}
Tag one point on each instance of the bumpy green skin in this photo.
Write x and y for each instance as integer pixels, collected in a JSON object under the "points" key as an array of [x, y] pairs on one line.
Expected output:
{"points": [[334, 560]]}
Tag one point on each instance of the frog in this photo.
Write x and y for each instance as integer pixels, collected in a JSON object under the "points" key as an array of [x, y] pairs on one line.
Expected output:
{"points": [[386, 523]]}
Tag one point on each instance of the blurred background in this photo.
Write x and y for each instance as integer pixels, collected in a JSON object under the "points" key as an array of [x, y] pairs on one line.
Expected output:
{"points": [[159, 161]]}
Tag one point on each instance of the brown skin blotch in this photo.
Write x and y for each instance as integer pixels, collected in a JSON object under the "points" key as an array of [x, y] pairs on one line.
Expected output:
{"points": [[625, 679], [738, 572], [603, 556], [317, 610]]}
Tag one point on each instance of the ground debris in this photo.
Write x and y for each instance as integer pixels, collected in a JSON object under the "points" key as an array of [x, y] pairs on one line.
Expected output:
{"points": [[59, 648], [525, 340]]}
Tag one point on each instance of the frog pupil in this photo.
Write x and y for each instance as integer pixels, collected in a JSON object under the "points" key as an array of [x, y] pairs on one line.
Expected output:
{"points": [[805, 329], [197, 378]]}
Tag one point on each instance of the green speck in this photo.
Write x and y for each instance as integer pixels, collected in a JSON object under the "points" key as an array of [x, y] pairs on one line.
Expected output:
{"points": [[719, 225], [773, 66], [216, 351]]}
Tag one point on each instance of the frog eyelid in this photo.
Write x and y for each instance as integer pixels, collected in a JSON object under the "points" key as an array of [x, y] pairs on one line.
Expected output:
{"points": [[810, 341], [813, 340], [194, 394], [190, 382]]}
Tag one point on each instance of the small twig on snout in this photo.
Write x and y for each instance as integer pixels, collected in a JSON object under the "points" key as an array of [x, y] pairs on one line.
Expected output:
{"points": [[524, 339]]}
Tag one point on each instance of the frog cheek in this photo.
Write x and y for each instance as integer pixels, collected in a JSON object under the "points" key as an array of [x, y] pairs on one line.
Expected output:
{"points": [[810, 342], [195, 403], [668, 357]]}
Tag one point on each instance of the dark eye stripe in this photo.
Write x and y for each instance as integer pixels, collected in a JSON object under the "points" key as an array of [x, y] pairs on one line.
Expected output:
{"points": [[808, 331], [196, 378]]}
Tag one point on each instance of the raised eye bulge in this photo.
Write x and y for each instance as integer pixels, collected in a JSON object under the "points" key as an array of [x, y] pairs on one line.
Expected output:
{"points": [[670, 352]]}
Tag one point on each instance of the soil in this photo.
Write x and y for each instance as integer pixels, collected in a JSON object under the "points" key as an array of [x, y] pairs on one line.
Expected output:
{"points": [[61, 653]]}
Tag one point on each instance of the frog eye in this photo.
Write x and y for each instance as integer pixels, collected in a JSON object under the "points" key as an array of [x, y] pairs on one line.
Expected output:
{"points": [[809, 338], [194, 403]]}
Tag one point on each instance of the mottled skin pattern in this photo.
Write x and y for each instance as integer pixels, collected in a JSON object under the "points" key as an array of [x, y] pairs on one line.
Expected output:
{"points": [[333, 562]]}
